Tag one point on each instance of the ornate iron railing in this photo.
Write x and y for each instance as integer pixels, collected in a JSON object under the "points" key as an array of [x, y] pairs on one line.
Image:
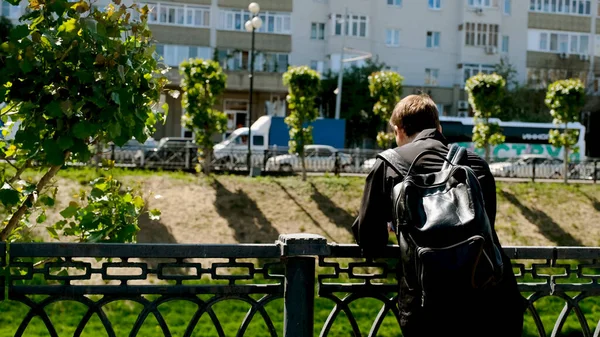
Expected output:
{"points": [[281, 275]]}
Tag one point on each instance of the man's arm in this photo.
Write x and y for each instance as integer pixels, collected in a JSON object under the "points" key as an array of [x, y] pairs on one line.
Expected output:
{"points": [[370, 227]]}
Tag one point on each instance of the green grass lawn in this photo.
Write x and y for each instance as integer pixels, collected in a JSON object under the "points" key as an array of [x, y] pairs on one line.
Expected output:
{"points": [[177, 314]]}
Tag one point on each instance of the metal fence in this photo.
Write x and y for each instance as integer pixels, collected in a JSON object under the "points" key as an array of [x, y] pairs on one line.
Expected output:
{"points": [[258, 275], [184, 156]]}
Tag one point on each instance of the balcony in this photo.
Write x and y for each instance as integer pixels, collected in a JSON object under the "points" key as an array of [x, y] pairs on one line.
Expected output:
{"points": [[239, 80]]}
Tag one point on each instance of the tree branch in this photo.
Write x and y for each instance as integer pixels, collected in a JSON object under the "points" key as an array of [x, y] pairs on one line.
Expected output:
{"points": [[16, 217], [20, 170]]}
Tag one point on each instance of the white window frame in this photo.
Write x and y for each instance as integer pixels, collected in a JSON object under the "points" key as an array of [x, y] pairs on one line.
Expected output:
{"points": [[264, 62], [319, 29], [352, 26], [430, 40], [281, 22], [172, 55], [572, 40], [189, 13], [435, 5], [392, 37], [475, 69], [505, 44], [432, 76], [482, 34], [394, 3], [480, 3], [565, 7]]}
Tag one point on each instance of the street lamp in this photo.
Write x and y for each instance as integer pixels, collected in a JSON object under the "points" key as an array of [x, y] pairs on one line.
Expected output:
{"points": [[251, 26]]}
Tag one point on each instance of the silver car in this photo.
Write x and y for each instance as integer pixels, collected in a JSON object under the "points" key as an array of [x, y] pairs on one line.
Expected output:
{"points": [[317, 158]]}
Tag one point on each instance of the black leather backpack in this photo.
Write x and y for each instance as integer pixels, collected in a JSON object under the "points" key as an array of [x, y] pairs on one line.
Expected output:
{"points": [[443, 229]]}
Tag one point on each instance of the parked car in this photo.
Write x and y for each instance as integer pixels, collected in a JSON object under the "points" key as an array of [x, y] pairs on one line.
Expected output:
{"points": [[171, 152], [317, 158]]}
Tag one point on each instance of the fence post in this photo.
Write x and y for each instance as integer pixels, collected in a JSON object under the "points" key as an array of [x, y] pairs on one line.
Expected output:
{"points": [[187, 155], [298, 253], [595, 171], [357, 160], [533, 173], [112, 151], [336, 167]]}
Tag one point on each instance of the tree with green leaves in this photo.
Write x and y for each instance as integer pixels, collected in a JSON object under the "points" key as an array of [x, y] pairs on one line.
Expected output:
{"points": [[303, 86], [565, 99], [386, 88], [485, 95], [5, 28], [203, 81], [357, 106], [74, 76]]}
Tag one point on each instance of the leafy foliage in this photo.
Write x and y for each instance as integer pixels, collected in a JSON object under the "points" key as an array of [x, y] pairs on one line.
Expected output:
{"points": [[74, 76], [520, 103], [203, 81], [565, 99], [485, 95], [357, 103], [386, 88], [105, 214], [303, 85], [5, 28]]}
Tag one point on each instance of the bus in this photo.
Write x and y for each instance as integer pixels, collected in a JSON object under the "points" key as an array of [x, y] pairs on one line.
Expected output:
{"points": [[521, 138]]}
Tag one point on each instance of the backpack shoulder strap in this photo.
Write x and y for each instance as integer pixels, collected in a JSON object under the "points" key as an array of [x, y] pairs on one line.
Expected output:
{"points": [[393, 159], [456, 153]]}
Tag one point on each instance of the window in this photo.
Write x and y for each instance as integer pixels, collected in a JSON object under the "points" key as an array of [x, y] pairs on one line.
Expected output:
{"points": [[173, 55], [435, 4], [392, 37], [317, 66], [431, 76], [354, 25], [507, 7], [258, 140], [178, 15], [481, 34], [561, 42], [572, 7], [433, 40], [505, 44], [470, 70], [540, 77], [397, 3], [275, 23], [317, 31], [240, 60], [480, 3]]}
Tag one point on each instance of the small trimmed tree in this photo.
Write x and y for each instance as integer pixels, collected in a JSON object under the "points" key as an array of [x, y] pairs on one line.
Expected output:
{"points": [[386, 87], [565, 99], [72, 77], [303, 86], [485, 94], [202, 82]]}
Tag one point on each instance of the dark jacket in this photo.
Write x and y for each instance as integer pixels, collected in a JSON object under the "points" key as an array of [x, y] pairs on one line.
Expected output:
{"points": [[495, 312]]}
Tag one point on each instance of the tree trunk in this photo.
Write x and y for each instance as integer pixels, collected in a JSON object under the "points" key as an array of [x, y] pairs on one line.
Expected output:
{"points": [[207, 160], [566, 163], [303, 166], [487, 154], [16, 217]]}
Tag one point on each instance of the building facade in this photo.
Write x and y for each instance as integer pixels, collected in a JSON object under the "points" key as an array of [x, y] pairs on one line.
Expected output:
{"points": [[435, 44]]}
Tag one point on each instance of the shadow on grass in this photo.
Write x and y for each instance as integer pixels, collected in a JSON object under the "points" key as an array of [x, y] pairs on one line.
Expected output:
{"points": [[307, 213], [337, 215], [243, 216], [548, 227], [593, 200]]}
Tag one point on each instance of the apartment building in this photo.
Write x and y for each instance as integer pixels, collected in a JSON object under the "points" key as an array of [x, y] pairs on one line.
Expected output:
{"points": [[435, 44]]}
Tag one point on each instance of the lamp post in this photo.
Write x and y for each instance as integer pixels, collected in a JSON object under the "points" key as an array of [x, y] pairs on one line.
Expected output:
{"points": [[251, 25]]}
